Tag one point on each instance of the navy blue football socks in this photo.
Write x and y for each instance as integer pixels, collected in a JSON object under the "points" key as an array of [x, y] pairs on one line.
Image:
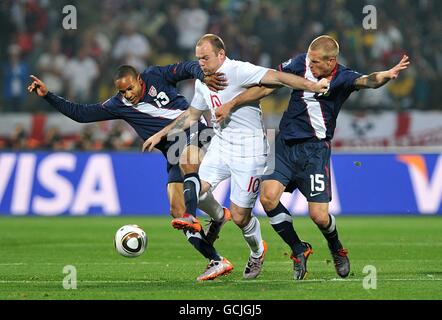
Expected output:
{"points": [[282, 223], [202, 245], [331, 234], [192, 187]]}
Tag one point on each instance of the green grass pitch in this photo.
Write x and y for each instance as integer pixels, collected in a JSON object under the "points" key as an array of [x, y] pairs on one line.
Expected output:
{"points": [[406, 252]]}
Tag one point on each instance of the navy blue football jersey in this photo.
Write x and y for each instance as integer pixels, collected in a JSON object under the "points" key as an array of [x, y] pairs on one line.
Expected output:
{"points": [[159, 106], [308, 114]]}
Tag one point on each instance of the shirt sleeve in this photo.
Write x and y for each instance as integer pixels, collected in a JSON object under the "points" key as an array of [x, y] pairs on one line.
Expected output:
{"points": [[198, 101], [349, 78], [249, 74], [174, 73], [79, 112], [295, 65]]}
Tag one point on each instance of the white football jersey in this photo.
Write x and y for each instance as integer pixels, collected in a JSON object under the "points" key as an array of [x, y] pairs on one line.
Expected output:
{"points": [[243, 133]]}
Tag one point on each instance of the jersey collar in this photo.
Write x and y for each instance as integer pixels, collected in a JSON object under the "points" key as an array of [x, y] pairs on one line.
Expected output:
{"points": [[335, 70]]}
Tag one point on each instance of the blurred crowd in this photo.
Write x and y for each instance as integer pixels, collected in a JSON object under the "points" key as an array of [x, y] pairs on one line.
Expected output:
{"points": [[116, 135], [79, 63]]}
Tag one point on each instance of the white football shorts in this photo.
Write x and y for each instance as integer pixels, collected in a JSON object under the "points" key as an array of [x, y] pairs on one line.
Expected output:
{"points": [[245, 173]]}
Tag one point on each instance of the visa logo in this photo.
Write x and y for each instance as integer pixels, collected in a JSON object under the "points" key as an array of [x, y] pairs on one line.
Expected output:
{"points": [[22, 173], [427, 189]]}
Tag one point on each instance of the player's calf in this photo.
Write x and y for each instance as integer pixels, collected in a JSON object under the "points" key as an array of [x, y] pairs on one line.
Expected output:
{"points": [[339, 254], [191, 190]]}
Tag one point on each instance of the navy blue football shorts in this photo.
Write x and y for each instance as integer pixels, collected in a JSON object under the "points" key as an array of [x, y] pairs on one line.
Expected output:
{"points": [[304, 165]]}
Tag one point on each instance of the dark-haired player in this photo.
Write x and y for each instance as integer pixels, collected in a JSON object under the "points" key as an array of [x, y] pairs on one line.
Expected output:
{"points": [[148, 102]]}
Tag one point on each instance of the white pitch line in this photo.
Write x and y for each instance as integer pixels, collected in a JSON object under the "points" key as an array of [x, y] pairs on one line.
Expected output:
{"points": [[355, 244], [336, 280], [84, 281], [79, 264], [282, 263]]}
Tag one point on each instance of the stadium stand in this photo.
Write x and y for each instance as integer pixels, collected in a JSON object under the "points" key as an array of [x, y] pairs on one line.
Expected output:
{"points": [[142, 33]]}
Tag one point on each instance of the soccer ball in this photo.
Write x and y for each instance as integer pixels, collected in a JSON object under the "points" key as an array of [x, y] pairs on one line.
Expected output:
{"points": [[130, 241]]}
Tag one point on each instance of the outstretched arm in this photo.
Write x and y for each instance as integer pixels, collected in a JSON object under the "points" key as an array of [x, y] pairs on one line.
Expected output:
{"points": [[78, 112], [378, 79], [279, 78], [250, 95], [271, 80], [191, 70], [184, 121]]}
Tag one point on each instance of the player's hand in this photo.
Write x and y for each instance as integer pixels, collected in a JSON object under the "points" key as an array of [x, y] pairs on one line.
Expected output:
{"points": [[215, 81], [402, 65], [222, 113], [322, 86], [150, 143], [37, 86]]}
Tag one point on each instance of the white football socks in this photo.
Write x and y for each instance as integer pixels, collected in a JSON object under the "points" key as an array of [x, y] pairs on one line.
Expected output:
{"points": [[252, 235]]}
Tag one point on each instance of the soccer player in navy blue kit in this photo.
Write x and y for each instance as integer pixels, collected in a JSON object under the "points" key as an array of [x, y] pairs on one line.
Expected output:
{"points": [[148, 102], [302, 147]]}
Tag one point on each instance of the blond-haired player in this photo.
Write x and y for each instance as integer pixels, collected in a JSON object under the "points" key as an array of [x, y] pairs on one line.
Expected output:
{"points": [[303, 147]]}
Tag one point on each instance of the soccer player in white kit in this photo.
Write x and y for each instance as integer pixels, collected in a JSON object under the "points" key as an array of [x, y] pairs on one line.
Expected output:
{"points": [[239, 148]]}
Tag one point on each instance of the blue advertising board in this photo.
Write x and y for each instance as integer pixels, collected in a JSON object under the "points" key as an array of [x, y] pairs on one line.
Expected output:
{"points": [[124, 183]]}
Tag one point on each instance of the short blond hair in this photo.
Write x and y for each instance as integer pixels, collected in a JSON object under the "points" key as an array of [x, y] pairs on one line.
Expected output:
{"points": [[328, 45], [216, 42]]}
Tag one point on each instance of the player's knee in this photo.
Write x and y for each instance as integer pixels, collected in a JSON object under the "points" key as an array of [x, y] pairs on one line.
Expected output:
{"points": [[268, 200], [189, 168], [320, 218], [241, 221]]}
